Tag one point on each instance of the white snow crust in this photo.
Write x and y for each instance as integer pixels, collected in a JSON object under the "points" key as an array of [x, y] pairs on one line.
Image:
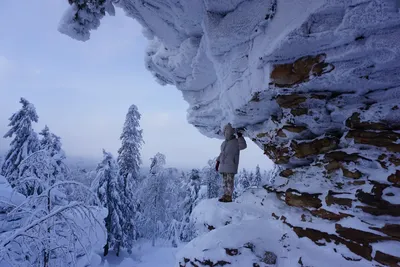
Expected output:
{"points": [[249, 220]]}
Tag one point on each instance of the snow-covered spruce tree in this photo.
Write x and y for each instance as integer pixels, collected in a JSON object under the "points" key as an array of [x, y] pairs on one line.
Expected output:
{"points": [[46, 141], [52, 143], [251, 179], [153, 200], [187, 231], [156, 167], [174, 198], [272, 174], [176, 195], [25, 140], [265, 176], [243, 182], [84, 16], [257, 177], [157, 163], [129, 159], [110, 188], [173, 233], [44, 167], [212, 179]]}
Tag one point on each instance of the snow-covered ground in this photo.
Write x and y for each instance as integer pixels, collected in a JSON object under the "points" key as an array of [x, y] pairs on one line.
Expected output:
{"points": [[144, 255], [257, 225]]}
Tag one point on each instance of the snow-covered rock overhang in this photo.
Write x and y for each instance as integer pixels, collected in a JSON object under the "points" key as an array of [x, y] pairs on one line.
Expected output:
{"points": [[314, 83], [220, 54]]}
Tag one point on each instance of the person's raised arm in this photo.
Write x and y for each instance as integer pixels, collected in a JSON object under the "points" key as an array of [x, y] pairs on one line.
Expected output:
{"points": [[241, 141]]}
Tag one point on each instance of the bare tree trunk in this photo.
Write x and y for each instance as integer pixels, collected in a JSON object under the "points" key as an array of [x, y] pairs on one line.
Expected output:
{"points": [[46, 259], [118, 249], [47, 249], [106, 247], [108, 227]]}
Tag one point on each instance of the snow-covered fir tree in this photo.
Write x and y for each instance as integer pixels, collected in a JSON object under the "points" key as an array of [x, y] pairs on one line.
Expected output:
{"points": [[52, 143], [43, 167], [110, 185], [146, 220], [187, 231], [129, 162], [250, 180], [195, 184], [257, 177], [212, 179], [271, 175], [174, 194], [25, 140], [157, 163], [129, 159], [243, 180], [177, 191], [174, 197], [153, 200], [46, 140]]}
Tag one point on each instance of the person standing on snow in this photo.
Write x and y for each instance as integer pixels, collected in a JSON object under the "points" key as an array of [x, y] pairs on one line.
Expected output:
{"points": [[228, 160]]}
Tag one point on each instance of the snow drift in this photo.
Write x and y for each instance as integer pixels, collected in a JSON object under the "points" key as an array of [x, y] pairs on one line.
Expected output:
{"points": [[243, 233], [315, 84]]}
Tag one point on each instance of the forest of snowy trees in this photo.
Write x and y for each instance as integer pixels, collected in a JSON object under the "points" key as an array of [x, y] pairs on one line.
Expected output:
{"points": [[52, 215]]}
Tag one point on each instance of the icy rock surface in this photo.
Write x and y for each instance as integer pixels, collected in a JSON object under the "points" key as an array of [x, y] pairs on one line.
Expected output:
{"points": [[315, 84]]}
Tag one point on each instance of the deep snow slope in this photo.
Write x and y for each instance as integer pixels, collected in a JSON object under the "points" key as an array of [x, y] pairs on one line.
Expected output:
{"points": [[244, 233], [315, 83]]}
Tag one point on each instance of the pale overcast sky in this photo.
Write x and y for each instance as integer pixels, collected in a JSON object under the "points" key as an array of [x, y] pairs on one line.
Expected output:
{"points": [[82, 91]]}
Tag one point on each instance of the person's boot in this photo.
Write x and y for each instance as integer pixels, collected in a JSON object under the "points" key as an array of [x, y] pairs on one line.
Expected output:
{"points": [[225, 198], [222, 199]]}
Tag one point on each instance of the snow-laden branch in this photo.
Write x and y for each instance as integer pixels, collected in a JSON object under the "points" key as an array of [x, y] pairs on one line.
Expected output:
{"points": [[57, 184], [23, 230], [30, 156]]}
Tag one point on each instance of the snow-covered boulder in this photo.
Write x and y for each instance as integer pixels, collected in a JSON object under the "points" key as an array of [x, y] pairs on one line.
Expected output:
{"points": [[210, 214], [315, 84]]}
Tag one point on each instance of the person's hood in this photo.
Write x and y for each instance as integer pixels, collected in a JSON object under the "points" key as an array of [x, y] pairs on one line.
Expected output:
{"points": [[228, 131]]}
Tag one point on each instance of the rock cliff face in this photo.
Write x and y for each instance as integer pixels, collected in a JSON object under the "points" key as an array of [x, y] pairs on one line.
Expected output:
{"points": [[315, 84]]}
